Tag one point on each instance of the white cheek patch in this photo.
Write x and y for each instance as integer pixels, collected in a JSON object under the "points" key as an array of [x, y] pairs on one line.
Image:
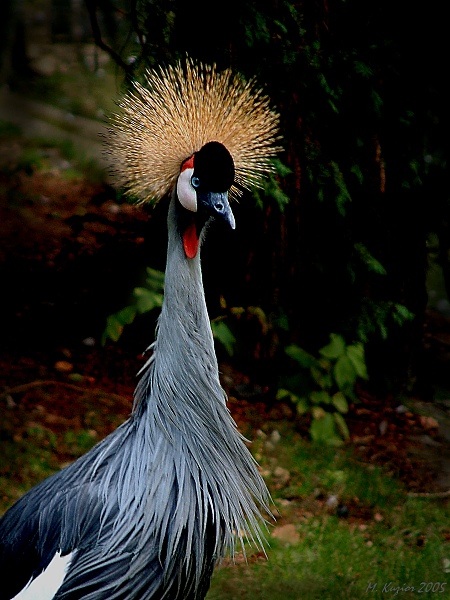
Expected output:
{"points": [[186, 193]]}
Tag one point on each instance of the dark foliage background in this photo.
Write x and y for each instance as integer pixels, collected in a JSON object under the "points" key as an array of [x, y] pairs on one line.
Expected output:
{"points": [[363, 99]]}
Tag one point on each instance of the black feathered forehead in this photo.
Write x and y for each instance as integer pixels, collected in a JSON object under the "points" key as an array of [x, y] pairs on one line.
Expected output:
{"points": [[214, 167]]}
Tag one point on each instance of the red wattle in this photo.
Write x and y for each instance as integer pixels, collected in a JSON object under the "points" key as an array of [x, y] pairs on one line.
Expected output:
{"points": [[190, 241]]}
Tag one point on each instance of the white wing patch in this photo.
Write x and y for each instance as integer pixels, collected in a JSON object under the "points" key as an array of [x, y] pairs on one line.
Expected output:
{"points": [[48, 583]]}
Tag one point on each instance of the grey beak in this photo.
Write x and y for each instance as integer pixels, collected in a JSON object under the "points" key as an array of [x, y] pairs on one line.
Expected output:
{"points": [[218, 206]]}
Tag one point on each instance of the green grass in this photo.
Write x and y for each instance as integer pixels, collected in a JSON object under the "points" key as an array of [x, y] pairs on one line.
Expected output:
{"points": [[35, 454], [333, 561], [25, 460], [389, 539]]}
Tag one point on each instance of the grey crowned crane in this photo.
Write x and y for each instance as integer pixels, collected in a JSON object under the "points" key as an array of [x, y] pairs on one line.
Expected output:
{"points": [[148, 512]]}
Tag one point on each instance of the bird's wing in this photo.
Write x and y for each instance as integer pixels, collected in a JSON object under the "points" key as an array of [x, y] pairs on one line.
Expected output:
{"points": [[59, 515], [43, 522]]}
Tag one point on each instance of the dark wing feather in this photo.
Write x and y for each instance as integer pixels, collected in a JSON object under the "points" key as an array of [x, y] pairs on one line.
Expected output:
{"points": [[23, 552], [62, 513], [77, 510]]}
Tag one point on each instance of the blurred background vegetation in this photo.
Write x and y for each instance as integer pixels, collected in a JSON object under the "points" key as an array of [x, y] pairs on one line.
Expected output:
{"points": [[351, 239]]}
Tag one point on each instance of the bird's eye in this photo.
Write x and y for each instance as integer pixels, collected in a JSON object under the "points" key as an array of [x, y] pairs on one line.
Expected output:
{"points": [[195, 182]]}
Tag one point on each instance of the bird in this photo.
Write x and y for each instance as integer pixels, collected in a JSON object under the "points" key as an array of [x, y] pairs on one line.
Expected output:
{"points": [[150, 510]]}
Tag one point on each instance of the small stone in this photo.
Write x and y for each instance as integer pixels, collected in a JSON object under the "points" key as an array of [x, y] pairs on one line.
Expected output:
{"points": [[363, 440], [286, 533], [10, 401], [63, 366], [275, 436], [282, 475], [383, 427], [332, 501], [363, 412], [284, 502], [428, 423], [378, 517], [114, 209]]}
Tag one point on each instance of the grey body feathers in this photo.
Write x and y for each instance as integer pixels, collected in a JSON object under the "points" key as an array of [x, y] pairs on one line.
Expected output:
{"points": [[152, 507]]}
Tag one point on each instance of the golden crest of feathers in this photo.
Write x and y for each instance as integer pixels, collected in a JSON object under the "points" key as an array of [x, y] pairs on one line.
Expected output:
{"points": [[179, 110]]}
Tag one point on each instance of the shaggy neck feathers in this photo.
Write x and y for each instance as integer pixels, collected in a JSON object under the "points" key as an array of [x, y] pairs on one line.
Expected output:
{"points": [[215, 487]]}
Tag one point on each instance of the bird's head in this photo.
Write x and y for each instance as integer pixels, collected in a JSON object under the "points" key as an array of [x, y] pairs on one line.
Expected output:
{"points": [[202, 189], [204, 134]]}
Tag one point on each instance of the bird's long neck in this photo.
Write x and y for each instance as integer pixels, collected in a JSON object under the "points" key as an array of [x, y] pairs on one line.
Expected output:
{"points": [[183, 372], [211, 481], [184, 328]]}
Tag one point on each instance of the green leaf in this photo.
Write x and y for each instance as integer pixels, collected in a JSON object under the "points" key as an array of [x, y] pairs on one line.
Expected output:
{"points": [[377, 102], [334, 108], [223, 334], [272, 189], [340, 402], [321, 377], [282, 394], [335, 348], [155, 279], [356, 170], [126, 315], [282, 27], [355, 353], [323, 430], [146, 299], [342, 426], [116, 322], [343, 195], [76, 377], [317, 412], [281, 168], [282, 321], [370, 261], [320, 397], [344, 373], [302, 405], [363, 69], [303, 358], [402, 314]]}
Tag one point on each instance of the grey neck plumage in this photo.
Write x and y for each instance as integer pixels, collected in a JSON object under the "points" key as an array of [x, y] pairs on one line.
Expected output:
{"points": [[183, 371], [214, 486], [184, 348]]}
